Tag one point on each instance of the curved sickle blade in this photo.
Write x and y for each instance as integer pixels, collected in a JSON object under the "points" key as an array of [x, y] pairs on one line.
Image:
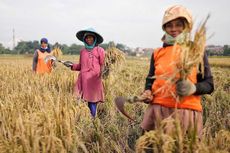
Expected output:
{"points": [[49, 57], [120, 101]]}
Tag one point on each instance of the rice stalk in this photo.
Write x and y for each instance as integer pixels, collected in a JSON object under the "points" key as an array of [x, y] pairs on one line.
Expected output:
{"points": [[155, 141], [114, 59], [192, 53], [222, 140], [38, 112], [57, 52]]}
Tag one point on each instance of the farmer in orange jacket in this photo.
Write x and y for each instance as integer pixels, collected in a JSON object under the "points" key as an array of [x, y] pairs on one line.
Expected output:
{"points": [[39, 65], [177, 23]]}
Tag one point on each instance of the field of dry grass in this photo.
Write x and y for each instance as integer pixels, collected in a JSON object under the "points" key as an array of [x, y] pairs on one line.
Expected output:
{"points": [[41, 114], [220, 62]]}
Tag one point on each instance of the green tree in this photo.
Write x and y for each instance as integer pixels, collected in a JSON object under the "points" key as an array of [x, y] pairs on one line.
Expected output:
{"points": [[104, 46], [23, 47], [121, 46], [125, 49], [64, 48], [74, 49], [35, 45], [226, 50], [2, 49], [111, 44], [27, 47]]}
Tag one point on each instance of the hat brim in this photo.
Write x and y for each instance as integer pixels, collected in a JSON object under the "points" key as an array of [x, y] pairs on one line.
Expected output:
{"points": [[80, 36]]}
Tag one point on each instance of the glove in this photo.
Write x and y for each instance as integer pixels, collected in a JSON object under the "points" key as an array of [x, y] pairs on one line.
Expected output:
{"points": [[68, 64], [185, 88]]}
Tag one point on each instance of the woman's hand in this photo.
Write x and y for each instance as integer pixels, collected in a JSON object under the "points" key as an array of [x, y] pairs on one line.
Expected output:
{"points": [[101, 71], [68, 63], [53, 64], [147, 96], [185, 88]]}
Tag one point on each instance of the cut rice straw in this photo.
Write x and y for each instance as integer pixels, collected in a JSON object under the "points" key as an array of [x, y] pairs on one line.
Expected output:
{"points": [[113, 61], [192, 53], [57, 52]]}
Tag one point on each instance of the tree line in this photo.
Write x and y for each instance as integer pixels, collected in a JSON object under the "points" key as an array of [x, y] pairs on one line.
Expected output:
{"points": [[218, 50], [28, 47], [226, 50]]}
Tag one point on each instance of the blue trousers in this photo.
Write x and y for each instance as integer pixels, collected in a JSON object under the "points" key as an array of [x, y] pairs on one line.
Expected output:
{"points": [[93, 108]]}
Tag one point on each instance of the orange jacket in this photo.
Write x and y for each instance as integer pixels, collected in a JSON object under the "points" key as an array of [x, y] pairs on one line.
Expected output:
{"points": [[43, 67], [165, 63]]}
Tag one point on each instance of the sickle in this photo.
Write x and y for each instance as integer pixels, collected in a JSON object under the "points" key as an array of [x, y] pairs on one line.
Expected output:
{"points": [[51, 57], [120, 101]]}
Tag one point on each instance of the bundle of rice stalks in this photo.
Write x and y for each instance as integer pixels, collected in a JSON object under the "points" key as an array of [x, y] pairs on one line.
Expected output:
{"points": [[191, 53], [113, 61], [222, 140], [169, 137], [57, 52], [155, 141]]}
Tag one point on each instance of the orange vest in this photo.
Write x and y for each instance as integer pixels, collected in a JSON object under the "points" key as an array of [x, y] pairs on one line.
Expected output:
{"points": [[165, 60], [43, 67]]}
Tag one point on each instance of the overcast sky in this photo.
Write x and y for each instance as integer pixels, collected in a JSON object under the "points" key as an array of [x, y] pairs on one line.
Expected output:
{"points": [[136, 23]]}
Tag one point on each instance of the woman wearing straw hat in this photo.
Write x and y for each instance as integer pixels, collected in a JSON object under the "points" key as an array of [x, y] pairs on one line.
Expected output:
{"points": [[177, 23], [89, 85]]}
